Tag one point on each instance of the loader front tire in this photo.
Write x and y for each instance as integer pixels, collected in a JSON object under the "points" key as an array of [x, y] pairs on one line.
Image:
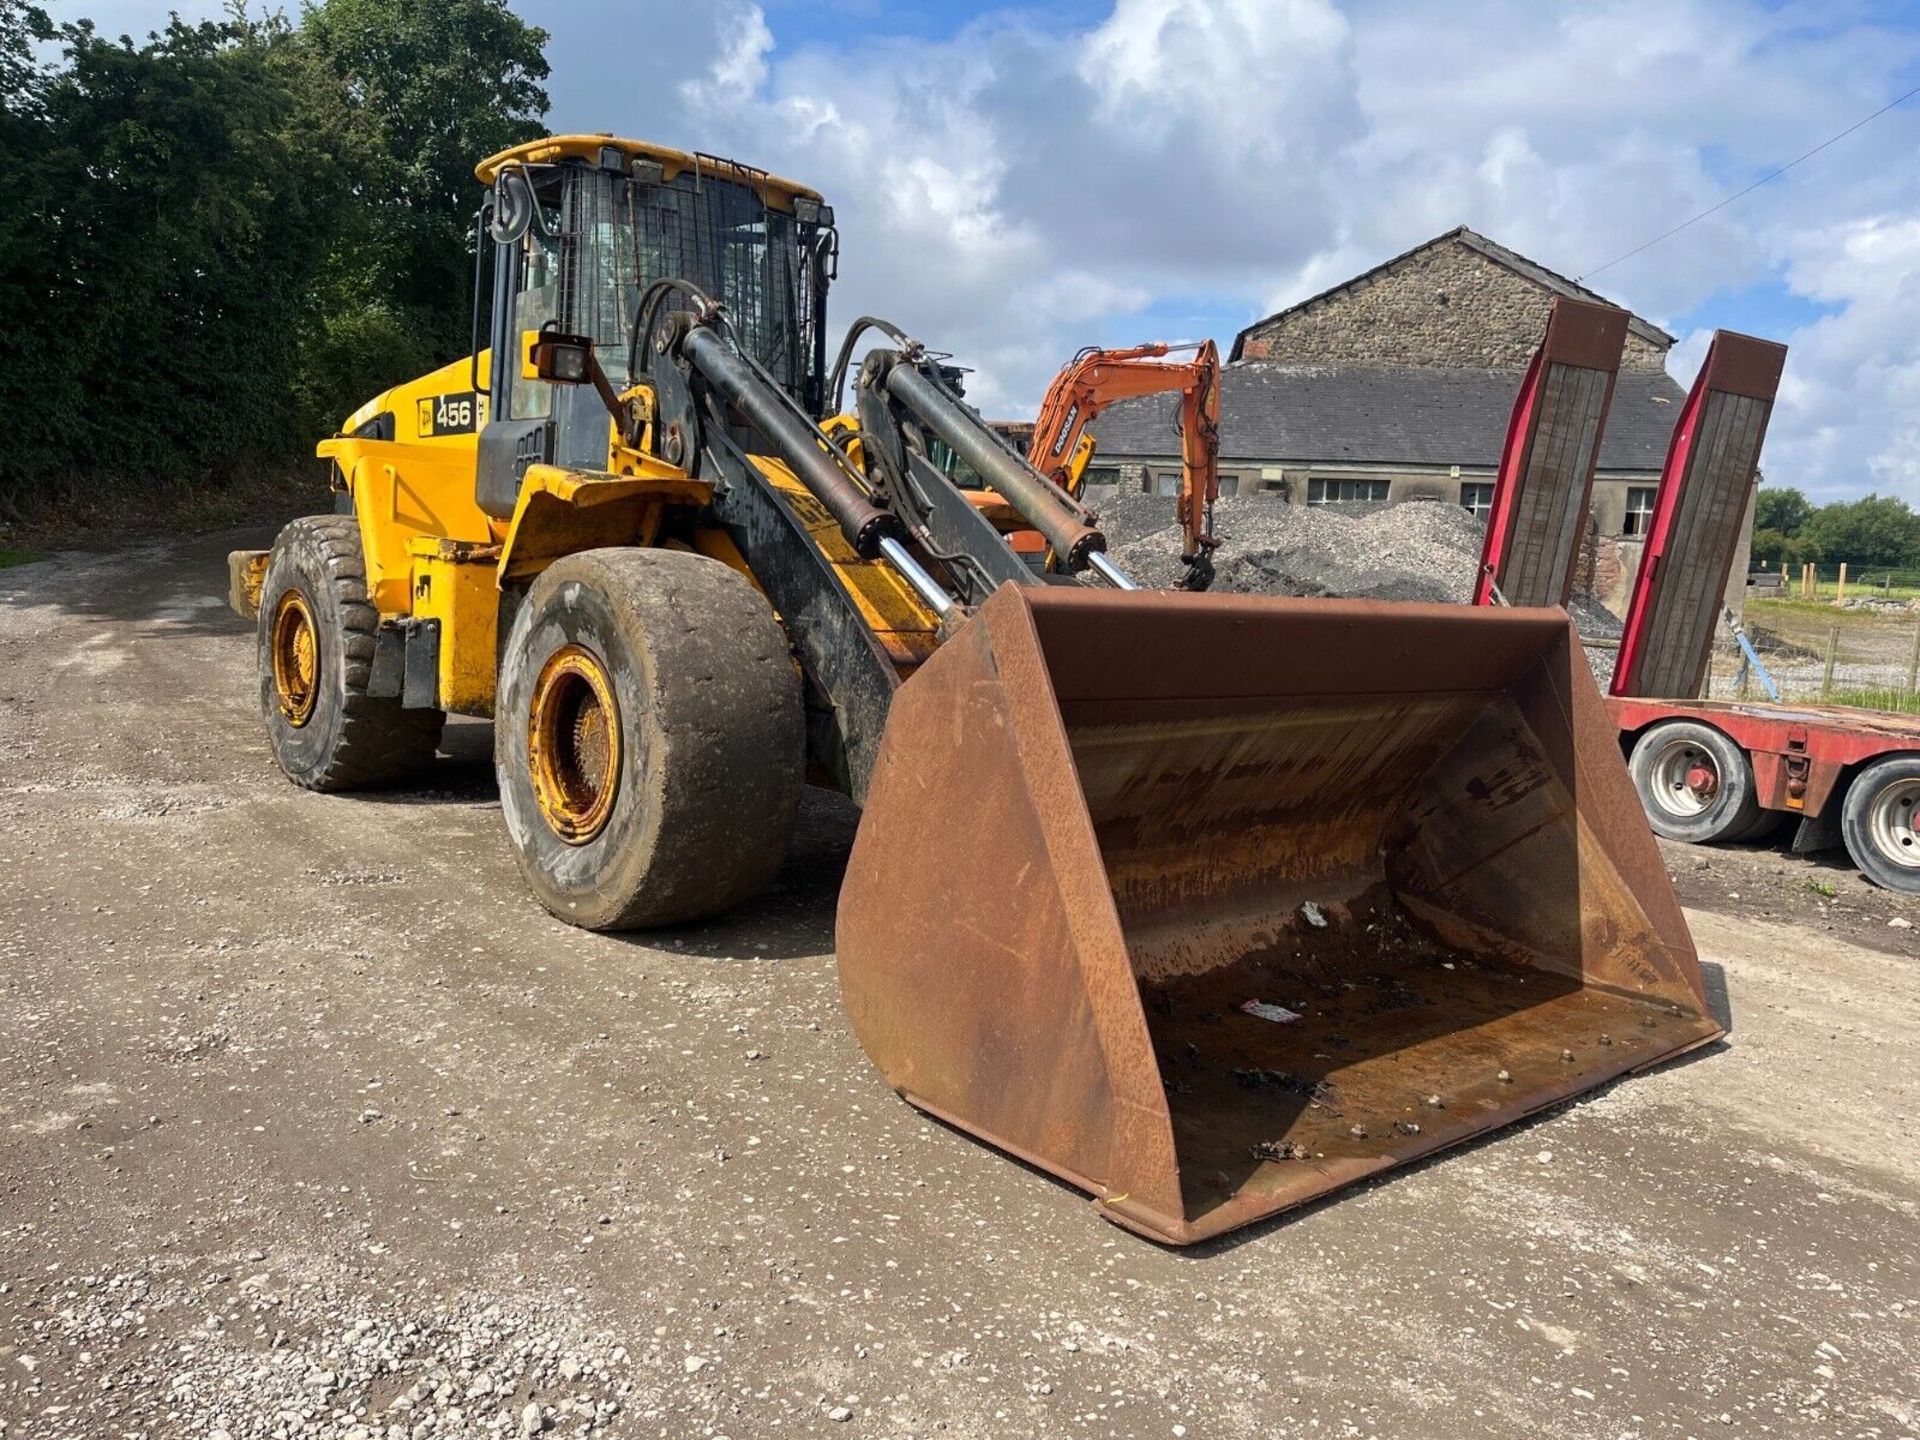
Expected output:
{"points": [[316, 638], [649, 738]]}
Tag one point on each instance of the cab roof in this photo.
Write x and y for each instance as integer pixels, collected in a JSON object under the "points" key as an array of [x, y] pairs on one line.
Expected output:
{"points": [[778, 193]]}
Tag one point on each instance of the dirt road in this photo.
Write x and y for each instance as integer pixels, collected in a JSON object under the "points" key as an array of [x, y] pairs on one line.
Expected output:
{"points": [[312, 1123]]}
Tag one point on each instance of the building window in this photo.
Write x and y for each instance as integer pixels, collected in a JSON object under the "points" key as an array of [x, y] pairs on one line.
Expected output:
{"points": [[1639, 510], [1163, 482], [1102, 475], [1229, 484], [1347, 492], [1478, 500]]}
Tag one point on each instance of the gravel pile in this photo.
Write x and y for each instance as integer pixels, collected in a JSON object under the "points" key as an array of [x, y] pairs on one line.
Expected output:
{"points": [[1416, 550]]}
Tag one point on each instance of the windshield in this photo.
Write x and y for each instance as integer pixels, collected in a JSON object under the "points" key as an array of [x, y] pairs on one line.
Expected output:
{"points": [[604, 238]]}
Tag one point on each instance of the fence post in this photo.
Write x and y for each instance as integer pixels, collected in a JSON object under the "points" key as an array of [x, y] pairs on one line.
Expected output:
{"points": [[1840, 590], [1806, 582], [1833, 649], [1913, 663]]}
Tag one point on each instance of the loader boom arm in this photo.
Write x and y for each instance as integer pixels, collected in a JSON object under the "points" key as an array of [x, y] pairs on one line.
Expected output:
{"points": [[884, 507]]}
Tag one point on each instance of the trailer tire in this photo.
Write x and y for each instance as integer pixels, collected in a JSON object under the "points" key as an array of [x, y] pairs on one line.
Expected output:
{"points": [[1695, 784], [1880, 823], [1765, 827], [315, 654], [649, 738]]}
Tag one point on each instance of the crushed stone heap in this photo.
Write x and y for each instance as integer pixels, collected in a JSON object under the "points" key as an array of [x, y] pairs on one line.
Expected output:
{"points": [[1415, 550]]}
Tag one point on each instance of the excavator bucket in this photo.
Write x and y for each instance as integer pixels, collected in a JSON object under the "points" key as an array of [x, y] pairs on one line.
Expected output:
{"points": [[1211, 905]]}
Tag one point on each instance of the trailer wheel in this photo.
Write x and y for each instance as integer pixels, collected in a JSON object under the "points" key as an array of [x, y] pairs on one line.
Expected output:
{"points": [[316, 637], [1880, 822], [1765, 827], [649, 739], [1694, 783]]}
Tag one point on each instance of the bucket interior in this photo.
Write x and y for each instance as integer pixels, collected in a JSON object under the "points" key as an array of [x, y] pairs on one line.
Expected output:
{"points": [[1366, 905]]}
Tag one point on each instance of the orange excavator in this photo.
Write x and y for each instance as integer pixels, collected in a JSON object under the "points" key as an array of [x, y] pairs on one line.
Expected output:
{"points": [[1094, 379]]}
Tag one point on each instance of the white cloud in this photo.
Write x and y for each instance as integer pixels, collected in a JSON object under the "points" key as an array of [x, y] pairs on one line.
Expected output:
{"points": [[1022, 187], [1012, 192], [1004, 193], [1850, 421], [740, 65]]}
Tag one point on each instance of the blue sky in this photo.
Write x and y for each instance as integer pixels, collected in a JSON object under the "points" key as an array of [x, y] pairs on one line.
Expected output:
{"points": [[1015, 181]]}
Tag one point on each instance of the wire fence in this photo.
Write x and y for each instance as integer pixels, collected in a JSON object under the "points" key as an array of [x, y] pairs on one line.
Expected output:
{"points": [[1825, 653], [1836, 582]]}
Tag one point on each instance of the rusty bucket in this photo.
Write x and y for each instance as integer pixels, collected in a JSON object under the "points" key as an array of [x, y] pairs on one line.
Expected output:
{"points": [[1210, 904]]}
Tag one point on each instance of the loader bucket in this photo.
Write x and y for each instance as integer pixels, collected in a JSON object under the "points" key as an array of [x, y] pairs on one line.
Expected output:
{"points": [[1104, 824]]}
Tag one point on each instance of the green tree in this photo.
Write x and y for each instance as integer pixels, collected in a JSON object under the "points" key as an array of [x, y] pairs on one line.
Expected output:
{"points": [[159, 250], [1781, 508], [23, 279], [22, 27], [424, 89], [1875, 530], [221, 239], [1772, 547]]}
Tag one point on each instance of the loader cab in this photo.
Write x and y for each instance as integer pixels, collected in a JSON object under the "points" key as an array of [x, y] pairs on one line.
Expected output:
{"points": [[574, 230]]}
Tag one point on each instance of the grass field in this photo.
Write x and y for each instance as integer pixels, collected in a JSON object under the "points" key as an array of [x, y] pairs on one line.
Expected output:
{"points": [[1873, 653], [1901, 702]]}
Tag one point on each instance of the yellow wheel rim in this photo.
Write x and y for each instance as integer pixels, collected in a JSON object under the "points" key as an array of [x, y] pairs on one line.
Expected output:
{"points": [[296, 658], [573, 744]]}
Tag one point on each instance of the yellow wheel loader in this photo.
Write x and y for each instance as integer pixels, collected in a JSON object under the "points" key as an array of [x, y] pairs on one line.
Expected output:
{"points": [[1206, 904]]}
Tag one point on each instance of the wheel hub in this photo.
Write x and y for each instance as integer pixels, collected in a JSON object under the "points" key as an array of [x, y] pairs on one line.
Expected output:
{"points": [[573, 744], [295, 649], [1891, 822], [1686, 782]]}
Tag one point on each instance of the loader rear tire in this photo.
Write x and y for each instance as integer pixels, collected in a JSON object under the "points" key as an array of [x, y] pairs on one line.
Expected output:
{"points": [[1880, 822], [316, 638], [649, 738], [1695, 784]]}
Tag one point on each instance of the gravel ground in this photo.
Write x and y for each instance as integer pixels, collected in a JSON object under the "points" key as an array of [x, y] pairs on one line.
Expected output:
{"points": [[312, 1124]]}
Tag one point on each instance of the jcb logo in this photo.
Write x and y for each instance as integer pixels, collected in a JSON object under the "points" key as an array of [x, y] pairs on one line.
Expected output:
{"points": [[460, 413]]}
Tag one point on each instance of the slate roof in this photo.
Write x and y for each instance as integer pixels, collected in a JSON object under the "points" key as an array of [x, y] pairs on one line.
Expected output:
{"points": [[1383, 415], [1494, 251]]}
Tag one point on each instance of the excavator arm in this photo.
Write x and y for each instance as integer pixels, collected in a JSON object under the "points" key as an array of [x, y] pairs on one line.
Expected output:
{"points": [[1095, 379]]}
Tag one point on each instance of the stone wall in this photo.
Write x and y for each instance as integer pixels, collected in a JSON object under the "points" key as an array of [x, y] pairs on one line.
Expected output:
{"points": [[1448, 305]]}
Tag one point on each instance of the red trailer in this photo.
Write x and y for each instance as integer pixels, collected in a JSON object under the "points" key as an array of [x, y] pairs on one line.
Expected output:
{"points": [[1712, 770], [1706, 770]]}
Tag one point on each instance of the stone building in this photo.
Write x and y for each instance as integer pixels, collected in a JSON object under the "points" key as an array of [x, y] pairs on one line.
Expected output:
{"points": [[1458, 300], [1397, 385]]}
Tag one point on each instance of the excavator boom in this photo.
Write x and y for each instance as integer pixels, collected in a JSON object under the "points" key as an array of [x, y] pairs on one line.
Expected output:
{"points": [[1094, 379]]}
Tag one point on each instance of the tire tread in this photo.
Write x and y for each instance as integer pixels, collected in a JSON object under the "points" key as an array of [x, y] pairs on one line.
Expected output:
{"points": [[379, 740]]}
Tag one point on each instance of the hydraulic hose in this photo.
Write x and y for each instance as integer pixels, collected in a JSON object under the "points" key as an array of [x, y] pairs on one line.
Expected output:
{"points": [[837, 382]]}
